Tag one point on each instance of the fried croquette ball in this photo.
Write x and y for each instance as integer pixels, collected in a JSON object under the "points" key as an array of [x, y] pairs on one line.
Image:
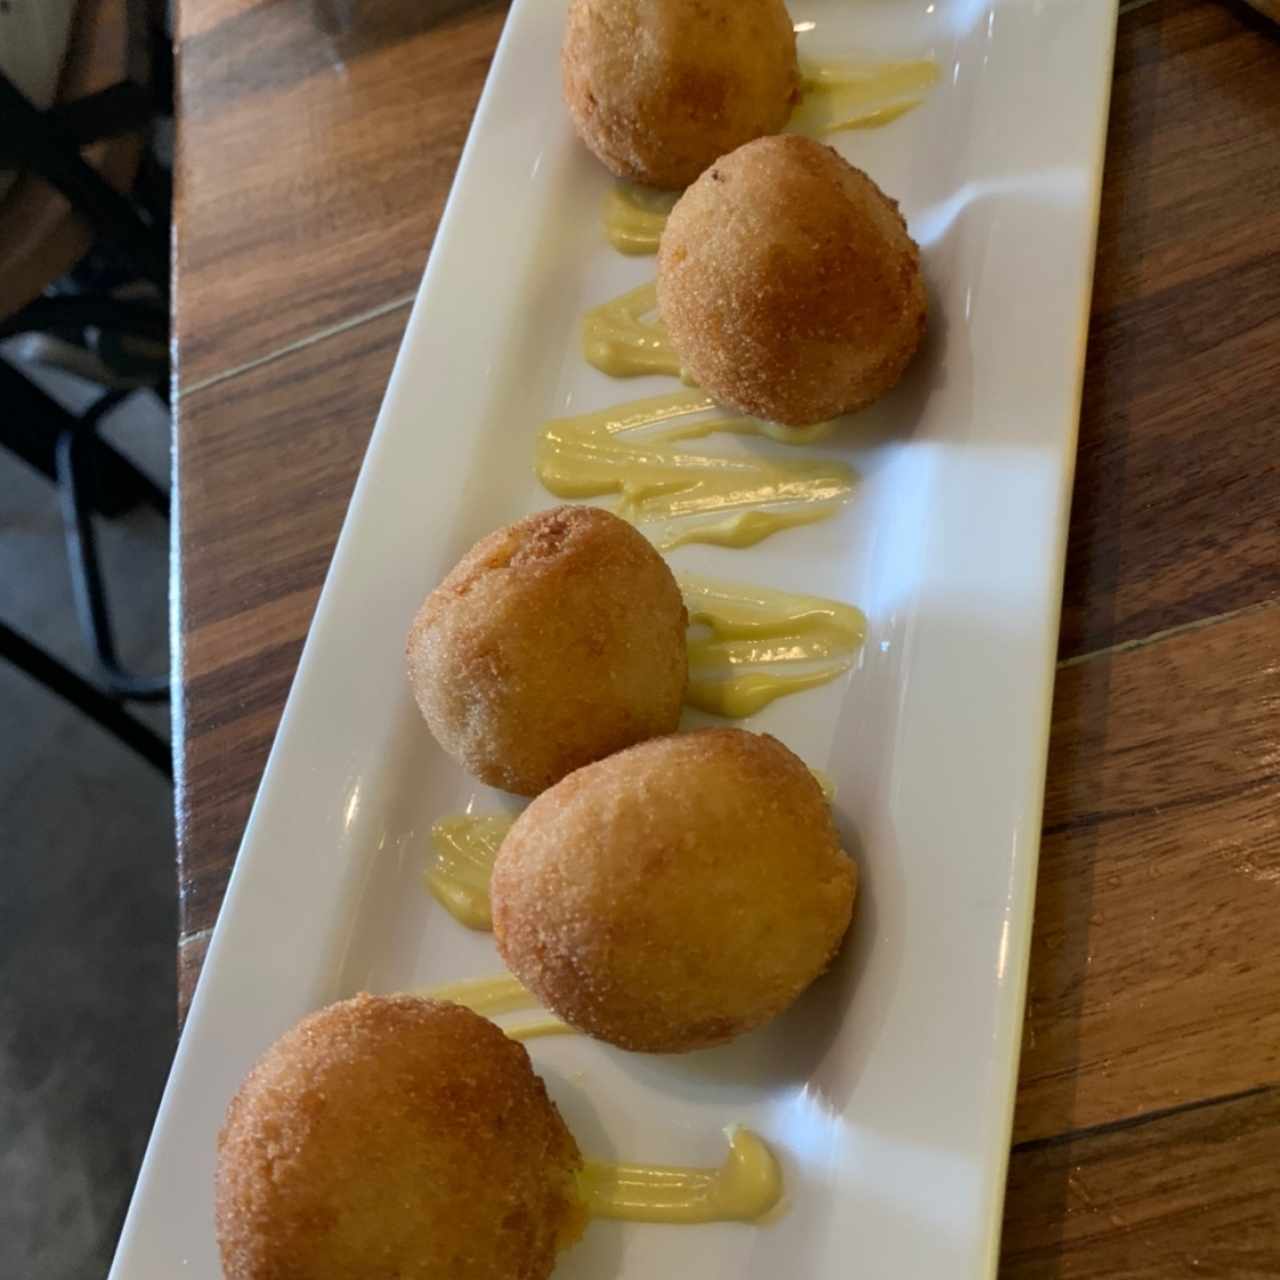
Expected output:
{"points": [[659, 88], [554, 642], [677, 894], [394, 1136], [789, 284]]}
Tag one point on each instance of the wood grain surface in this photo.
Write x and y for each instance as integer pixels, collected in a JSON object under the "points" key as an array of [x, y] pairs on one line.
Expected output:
{"points": [[1147, 1130], [1155, 965], [266, 464], [1182, 1196], [1176, 514], [315, 154]]}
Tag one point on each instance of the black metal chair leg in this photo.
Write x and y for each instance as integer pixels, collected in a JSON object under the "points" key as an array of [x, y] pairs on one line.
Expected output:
{"points": [[84, 697], [82, 556], [29, 425]]}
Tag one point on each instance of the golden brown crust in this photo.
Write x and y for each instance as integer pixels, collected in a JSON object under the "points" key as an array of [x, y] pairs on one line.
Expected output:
{"points": [[789, 284], [554, 642], [394, 1136], [659, 88], [678, 893]]}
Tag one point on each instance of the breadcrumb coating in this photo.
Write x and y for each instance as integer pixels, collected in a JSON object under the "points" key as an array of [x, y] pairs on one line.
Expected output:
{"points": [[394, 1136], [554, 642], [677, 894], [659, 88], [789, 284]]}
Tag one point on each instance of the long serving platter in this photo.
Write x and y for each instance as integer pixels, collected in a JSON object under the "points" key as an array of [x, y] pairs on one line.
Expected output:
{"points": [[887, 1092]]}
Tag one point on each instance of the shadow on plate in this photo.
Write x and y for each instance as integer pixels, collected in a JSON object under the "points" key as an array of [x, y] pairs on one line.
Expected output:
{"points": [[893, 418]]}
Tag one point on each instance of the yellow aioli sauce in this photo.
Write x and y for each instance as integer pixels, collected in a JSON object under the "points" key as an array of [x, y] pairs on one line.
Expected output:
{"points": [[744, 1188], [629, 450], [463, 849], [624, 338], [742, 530], [488, 996], [835, 96], [635, 216], [751, 645], [859, 95], [744, 695], [503, 994], [539, 1028]]}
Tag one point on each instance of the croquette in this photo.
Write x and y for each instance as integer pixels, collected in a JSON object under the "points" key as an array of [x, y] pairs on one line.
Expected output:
{"points": [[394, 1136], [677, 894], [554, 642], [789, 284], [659, 88]]}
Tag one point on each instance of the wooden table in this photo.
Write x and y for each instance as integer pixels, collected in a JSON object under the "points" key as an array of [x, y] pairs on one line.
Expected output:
{"points": [[312, 167]]}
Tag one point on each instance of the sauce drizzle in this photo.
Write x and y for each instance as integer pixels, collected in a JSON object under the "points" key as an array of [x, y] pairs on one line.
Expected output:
{"points": [[859, 95], [624, 338], [463, 849], [744, 1188], [487, 996], [752, 645], [504, 994], [678, 495], [634, 217]]}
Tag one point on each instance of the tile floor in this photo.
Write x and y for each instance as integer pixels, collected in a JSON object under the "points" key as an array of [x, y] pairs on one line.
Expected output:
{"points": [[87, 902]]}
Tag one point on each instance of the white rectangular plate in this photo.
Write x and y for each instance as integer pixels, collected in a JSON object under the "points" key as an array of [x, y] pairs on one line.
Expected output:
{"points": [[888, 1091]]}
